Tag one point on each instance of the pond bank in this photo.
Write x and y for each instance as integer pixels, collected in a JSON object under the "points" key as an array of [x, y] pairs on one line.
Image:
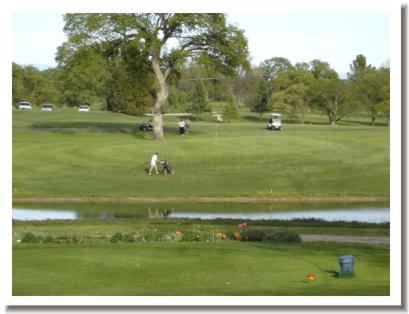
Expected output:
{"points": [[248, 200]]}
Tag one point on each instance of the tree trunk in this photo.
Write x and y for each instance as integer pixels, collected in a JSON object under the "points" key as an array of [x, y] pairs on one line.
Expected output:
{"points": [[157, 123], [372, 120], [301, 118], [238, 98], [161, 96], [333, 114], [332, 119]]}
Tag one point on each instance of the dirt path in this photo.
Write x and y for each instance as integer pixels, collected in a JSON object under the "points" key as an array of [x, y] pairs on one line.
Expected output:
{"points": [[344, 239], [248, 200]]}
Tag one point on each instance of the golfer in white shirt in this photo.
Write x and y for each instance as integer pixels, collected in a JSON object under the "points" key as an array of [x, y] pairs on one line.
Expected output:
{"points": [[154, 160]]}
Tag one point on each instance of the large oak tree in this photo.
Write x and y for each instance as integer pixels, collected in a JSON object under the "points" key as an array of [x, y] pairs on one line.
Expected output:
{"points": [[375, 92], [167, 39], [334, 97], [290, 94]]}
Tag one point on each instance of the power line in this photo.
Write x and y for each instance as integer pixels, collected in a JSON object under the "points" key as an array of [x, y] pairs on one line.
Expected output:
{"points": [[194, 79], [215, 78]]}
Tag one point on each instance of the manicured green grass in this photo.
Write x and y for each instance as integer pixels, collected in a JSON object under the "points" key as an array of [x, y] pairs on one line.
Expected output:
{"points": [[235, 159], [231, 159], [71, 118], [227, 268]]}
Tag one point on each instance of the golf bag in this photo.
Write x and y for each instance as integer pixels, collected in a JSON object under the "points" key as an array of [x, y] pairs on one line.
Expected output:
{"points": [[166, 168]]}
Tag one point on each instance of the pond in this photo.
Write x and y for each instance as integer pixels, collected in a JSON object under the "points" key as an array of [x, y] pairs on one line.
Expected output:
{"points": [[370, 213]]}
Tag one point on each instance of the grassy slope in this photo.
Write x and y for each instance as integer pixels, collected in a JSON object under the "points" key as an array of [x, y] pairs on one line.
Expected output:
{"points": [[230, 268], [235, 159]]}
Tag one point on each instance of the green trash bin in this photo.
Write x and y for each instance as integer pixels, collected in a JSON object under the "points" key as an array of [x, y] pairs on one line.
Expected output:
{"points": [[346, 263]]}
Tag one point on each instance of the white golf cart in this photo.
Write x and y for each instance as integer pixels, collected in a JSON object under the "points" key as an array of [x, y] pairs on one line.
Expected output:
{"points": [[274, 122]]}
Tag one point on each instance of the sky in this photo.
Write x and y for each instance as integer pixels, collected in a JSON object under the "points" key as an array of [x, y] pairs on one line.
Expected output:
{"points": [[299, 37]]}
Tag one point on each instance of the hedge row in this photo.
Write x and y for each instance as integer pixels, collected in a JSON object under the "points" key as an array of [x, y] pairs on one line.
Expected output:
{"points": [[152, 236]]}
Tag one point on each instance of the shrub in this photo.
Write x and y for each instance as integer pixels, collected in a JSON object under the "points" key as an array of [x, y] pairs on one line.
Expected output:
{"points": [[198, 236], [128, 237], [116, 238], [231, 234], [288, 236], [30, 237], [76, 239], [190, 236], [48, 239], [252, 235], [120, 238], [62, 239], [151, 236]]}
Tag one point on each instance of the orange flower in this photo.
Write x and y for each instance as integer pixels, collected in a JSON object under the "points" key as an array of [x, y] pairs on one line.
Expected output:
{"points": [[242, 226], [221, 235], [311, 277], [236, 236], [178, 234]]}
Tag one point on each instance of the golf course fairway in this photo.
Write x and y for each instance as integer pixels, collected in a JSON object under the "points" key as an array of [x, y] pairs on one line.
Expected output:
{"points": [[214, 160], [227, 268], [62, 158]]}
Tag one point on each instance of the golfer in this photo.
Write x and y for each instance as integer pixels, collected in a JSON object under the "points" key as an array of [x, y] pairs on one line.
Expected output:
{"points": [[181, 125], [154, 160]]}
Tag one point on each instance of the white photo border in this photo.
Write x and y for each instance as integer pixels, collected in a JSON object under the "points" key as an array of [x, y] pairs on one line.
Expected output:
{"points": [[225, 6]]}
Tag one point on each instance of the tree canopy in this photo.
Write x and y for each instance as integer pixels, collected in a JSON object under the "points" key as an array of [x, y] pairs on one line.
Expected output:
{"points": [[30, 84], [206, 36], [332, 96], [358, 68], [291, 91], [270, 68], [260, 103], [230, 110], [322, 69], [198, 102], [375, 93], [120, 75]]}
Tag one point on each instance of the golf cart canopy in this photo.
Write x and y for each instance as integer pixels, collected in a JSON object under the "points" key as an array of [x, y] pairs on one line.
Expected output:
{"points": [[274, 123]]}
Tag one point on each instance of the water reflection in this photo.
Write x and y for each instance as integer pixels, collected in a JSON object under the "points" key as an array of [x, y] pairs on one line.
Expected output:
{"points": [[159, 213], [56, 214], [210, 212], [30, 214], [372, 215]]}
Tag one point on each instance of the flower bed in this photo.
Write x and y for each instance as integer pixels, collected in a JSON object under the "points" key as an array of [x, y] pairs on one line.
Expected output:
{"points": [[242, 234]]}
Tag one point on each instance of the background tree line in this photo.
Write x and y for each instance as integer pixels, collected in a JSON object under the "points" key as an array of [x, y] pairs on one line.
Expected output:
{"points": [[122, 80], [296, 90]]}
